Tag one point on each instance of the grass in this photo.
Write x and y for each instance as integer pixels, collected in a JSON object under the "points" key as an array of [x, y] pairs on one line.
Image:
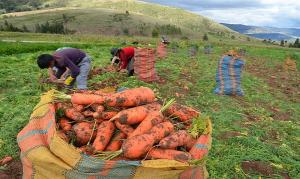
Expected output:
{"points": [[268, 138]]}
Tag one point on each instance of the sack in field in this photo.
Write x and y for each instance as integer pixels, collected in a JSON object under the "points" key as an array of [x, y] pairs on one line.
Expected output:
{"points": [[144, 64], [228, 76], [45, 155], [161, 51]]}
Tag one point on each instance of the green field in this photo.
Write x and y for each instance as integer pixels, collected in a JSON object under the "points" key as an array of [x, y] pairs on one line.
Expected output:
{"points": [[262, 126]]}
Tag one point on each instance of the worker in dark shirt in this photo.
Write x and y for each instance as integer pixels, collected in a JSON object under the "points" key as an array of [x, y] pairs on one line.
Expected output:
{"points": [[67, 61], [125, 58]]}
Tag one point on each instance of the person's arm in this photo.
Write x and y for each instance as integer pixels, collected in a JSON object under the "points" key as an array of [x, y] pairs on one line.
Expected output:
{"points": [[64, 75], [52, 76], [75, 70]]}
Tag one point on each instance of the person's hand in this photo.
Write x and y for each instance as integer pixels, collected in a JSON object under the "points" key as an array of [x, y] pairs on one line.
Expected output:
{"points": [[52, 78], [59, 81]]}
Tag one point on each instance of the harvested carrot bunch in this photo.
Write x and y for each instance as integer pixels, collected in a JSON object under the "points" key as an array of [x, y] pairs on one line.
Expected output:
{"points": [[132, 125]]}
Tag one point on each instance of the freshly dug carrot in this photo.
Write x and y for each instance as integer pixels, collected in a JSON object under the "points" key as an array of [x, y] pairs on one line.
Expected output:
{"points": [[153, 118], [127, 129], [105, 115], [131, 97], [62, 135], [116, 142], [179, 138], [73, 114], [97, 108], [184, 113], [137, 146], [104, 133], [136, 114], [200, 149], [193, 173], [161, 130], [78, 107], [169, 154], [99, 120], [87, 99], [83, 132], [88, 113], [5, 160], [64, 124]]}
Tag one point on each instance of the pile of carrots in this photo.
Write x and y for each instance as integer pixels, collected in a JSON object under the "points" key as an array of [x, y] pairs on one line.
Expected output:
{"points": [[129, 125]]}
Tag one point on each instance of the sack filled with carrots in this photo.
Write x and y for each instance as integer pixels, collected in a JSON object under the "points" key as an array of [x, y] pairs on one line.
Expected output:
{"points": [[132, 125]]}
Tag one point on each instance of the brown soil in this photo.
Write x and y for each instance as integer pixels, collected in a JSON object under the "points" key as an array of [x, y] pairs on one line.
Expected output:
{"points": [[257, 167], [277, 78], [271, 135], [13, 170], [228, 135]]}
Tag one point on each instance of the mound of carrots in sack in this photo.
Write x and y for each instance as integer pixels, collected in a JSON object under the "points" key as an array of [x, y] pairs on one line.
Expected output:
{"points": [[131, 125]]}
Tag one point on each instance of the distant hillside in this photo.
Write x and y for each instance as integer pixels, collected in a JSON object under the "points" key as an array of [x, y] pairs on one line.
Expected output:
{"points": [[266, 32], [99, 16]]}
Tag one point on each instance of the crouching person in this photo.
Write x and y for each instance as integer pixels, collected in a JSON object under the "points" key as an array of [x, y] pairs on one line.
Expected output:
{"points": [[71, 64], [125, 58]]}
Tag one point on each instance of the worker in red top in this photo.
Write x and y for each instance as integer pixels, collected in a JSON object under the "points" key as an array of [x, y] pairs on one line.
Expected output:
{"points": [[125, 58]]}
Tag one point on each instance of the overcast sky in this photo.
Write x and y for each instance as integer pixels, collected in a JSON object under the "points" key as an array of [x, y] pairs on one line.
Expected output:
{"points": [[275, 13]]}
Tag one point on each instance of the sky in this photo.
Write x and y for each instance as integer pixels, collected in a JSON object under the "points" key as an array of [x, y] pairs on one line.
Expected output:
{"points": [[271, 13]]}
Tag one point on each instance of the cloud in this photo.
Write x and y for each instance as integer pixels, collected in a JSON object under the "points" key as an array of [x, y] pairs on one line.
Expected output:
{"points": [[279, 13]]}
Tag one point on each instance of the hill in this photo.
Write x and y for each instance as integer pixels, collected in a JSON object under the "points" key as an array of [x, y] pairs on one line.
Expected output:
{"points": [[97, 16], [273, 33]]}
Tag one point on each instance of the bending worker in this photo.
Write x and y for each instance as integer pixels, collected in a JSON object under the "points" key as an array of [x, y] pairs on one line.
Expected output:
{"points": [[125, 58], [73, 65]]}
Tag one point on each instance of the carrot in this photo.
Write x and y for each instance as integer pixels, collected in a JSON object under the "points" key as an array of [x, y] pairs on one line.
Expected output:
{"points": [[116, 142], [169, 154], [184, 113], [83, 131], [78, 107], [5, 160], [97, 108], [88, 113], [161, 130], [200, 149], [193, 172], [137, 146], [62, 135], [73, 114], [87, 99], [179, 138], [127, 129], [58, 106], [153, 118], [104, 133], [136, 114], [99, 120], [105, 115], [131, 97], [64, 124]]}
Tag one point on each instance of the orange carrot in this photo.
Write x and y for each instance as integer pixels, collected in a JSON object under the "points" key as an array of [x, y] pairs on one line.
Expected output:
{"points": [[87, 99], [179, 138], [153, 118], [116, 142], [136, 114], [99, 120], [131, 97], [127, 129], [161, 130], [193, 172], [105, 115], [78, 107], [83, 132], [184, 113], [97, 108], [5, 160], [200, 149], [73, 114], [169, 154], [62, 135], [137, 146], [104, 133], [64, 124], [87, 149]]}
